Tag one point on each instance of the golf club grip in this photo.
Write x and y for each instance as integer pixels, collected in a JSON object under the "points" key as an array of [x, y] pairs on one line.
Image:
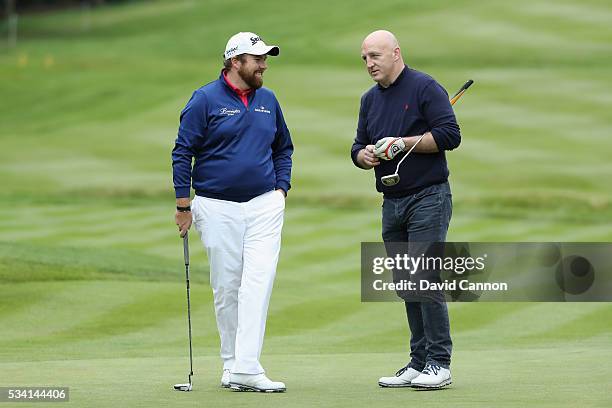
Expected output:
{"points": [[186, 248], [465, 86], [461, 91]]}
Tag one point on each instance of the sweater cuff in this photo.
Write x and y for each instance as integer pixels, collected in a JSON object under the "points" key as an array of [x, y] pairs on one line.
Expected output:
{"points": [[182, 192], [439, 139], [283, 185], [354, 154]]}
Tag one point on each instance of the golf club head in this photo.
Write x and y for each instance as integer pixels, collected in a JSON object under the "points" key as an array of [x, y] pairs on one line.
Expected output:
{"points": [[182, 387], [390, 180]]}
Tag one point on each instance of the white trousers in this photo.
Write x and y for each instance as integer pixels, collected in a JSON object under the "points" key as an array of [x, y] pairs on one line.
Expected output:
{"points": [[243, 243]]}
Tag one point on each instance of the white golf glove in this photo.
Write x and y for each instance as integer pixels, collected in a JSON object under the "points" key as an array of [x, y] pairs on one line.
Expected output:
{"points": [[389, 147]]}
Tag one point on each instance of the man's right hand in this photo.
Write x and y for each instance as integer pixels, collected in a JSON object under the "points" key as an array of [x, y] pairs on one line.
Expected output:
{"points": [[183, 220], [366, 157]]}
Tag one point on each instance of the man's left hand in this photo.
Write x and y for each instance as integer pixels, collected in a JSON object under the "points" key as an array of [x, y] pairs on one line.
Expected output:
{"points": [[389, 147]]}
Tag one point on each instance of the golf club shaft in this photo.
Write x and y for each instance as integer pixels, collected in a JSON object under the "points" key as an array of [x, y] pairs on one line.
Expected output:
{"points": [[454, 99], [406, 155], [186, 256]]}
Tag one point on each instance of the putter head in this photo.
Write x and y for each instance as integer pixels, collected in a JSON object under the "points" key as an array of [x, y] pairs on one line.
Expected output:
{"points": [[390, 180], [183, 387]]}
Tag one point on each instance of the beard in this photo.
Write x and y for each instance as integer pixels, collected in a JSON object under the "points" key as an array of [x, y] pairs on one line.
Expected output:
{"points": [[249, 77]]}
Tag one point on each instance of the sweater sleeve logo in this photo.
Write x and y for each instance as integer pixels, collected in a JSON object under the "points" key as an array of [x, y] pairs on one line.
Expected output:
{"points": [[228, 112]]}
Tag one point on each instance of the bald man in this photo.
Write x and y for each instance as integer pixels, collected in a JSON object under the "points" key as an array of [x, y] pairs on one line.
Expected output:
{"points": [[407, 108]]}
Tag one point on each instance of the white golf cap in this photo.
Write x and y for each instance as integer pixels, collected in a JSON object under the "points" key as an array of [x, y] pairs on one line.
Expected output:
{"points": [[248, 43]]}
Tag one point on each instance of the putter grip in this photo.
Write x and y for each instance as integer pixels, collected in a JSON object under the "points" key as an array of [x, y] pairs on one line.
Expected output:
{"points": [[186, 248]]}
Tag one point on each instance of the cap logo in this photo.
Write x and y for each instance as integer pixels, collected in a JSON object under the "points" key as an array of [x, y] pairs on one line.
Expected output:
{"points": [[231, 51], [255, 40]]}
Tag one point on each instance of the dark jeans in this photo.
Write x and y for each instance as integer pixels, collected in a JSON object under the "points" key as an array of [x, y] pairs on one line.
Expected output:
{"points": [[421, 218]]}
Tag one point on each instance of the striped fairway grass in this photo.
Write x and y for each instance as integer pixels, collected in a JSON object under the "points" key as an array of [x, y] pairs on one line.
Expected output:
{"points": [[126, 345], [91, 274]]}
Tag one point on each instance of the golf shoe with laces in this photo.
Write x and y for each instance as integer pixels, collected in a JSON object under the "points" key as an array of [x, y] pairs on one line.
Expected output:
{"points": [[432, 377], [255, 382], [403, 378], [225, 378]]}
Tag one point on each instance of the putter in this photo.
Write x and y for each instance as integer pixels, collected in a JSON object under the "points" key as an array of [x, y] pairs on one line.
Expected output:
{"points": [[188, 386], [393, 179]]}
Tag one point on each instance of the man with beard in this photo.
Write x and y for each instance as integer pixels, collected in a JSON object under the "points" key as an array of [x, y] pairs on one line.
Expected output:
{"points": [[404, 107], [236, 132]]}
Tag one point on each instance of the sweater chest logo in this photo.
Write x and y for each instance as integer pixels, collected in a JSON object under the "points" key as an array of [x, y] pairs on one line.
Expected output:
{"points": [[229, 112], [262, 109]]}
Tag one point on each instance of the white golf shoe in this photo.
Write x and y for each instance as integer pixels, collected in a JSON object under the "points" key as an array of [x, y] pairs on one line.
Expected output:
{"points": [[225, 378], [403, 378], [255, 382], [432, 377]]}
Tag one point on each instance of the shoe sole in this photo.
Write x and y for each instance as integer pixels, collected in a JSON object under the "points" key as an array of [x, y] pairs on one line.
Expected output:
{"points": [[225, 385], [385, 385], [425, 387], [243, 388]]}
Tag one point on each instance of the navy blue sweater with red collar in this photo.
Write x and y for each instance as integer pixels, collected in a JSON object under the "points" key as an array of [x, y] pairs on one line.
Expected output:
{"points": [[241, 150], [414, 104]]}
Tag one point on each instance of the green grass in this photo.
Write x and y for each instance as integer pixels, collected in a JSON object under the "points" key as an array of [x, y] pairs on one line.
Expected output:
{"points": [[541, 381], [91, 275]]}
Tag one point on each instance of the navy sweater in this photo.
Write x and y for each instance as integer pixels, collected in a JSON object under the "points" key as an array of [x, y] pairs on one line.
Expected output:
{"points": [[414, 104], [240, 152]]}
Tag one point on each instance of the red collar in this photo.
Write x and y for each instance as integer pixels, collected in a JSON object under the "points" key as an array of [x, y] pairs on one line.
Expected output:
{"points": [[242, 94]]}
